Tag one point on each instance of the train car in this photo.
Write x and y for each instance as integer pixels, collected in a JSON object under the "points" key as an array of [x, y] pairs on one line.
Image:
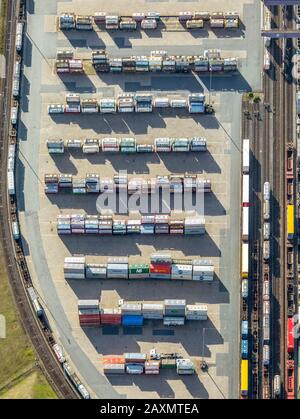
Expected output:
{"points": [[290, 379], [245, 260], [267, 60], [245, 223], [266, 209], [35, 302], [244, 349], [266, 328], [58, 353], [246, 156], [244, 377], [277, 385], [267, 191], [290, 162], [246, 184], [83, 392], [19, 36], [290, 221], [15, 230], [290, 335]]}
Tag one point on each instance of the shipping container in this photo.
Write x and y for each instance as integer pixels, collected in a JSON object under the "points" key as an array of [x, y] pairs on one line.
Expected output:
{"points": [[246, 156], [266, 250], [245, 260], [290, 222], [244, 349], [266, 210], [246, 185], [290, 335], [244, 329], [245, 288], [173, 321], [134, 369], [266, 355], [195, 24], [267, 191], [132, 320], [244, 377], [114, 369], [135, 357], [245, 223]]}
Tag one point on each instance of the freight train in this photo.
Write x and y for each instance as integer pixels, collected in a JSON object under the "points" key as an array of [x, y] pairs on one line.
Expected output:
{"points": [[15, 231], [266, 301], [244, 364], [290, 346]]}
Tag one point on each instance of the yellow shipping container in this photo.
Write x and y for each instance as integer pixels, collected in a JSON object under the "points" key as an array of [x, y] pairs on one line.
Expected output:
{"points": [[244, 377], [290, 221], [245, 260]]}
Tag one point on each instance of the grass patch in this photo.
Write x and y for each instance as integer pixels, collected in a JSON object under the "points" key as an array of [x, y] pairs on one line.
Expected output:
{"points": [[34, 386], [16, 352], [3, 9]]}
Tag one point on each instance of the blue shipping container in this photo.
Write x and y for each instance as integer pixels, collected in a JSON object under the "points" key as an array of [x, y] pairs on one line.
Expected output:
{"points": [[245, 329], [244, 349], [132, 320]]}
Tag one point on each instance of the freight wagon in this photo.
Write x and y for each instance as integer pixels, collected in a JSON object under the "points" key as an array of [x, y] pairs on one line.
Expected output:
{"points": [[19, 36], [290, 222], [244, 378], [290, 335], [35, 302], [245, 260], [246, 156], [246, 186]]}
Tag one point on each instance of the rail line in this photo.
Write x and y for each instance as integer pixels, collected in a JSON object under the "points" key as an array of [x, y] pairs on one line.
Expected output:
{"points": [[18, 273]]}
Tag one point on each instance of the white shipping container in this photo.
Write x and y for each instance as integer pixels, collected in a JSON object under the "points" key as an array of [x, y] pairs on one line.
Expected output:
{"points": [[75, 259], [245, 223], [74, 275], [203, 273], [181, 272], [246, 185], [246, 156]]}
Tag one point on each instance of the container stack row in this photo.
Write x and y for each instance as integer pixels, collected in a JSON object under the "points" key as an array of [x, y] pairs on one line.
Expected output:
{"points": [[133, 314], [128, 145], [139, 363], [129, 103], [158, 61], [92, 183], [160, 266], [107, 225], [146, 21]]}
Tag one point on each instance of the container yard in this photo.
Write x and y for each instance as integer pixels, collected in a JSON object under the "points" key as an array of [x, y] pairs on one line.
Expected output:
{"points": [[163, 298]]}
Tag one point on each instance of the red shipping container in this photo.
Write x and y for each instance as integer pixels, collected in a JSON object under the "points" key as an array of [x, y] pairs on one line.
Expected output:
{"points": [[111, 318], [158, 268], [290, 335], [89, 318]]}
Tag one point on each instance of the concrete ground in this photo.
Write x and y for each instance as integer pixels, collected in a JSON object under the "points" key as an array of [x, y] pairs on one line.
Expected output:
{"points": [[217, 339]]}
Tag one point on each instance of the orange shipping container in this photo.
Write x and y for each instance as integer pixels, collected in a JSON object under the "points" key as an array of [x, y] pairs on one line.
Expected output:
{"points": [[113, 359]]}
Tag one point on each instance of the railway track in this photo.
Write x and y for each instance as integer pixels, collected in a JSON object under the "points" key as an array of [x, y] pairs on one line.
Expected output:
{"points": [[283, 289], [15, 261]]}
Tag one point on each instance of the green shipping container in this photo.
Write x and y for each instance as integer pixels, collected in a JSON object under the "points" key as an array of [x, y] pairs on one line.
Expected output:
{"points": [[168, 363], [139, 269]]}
